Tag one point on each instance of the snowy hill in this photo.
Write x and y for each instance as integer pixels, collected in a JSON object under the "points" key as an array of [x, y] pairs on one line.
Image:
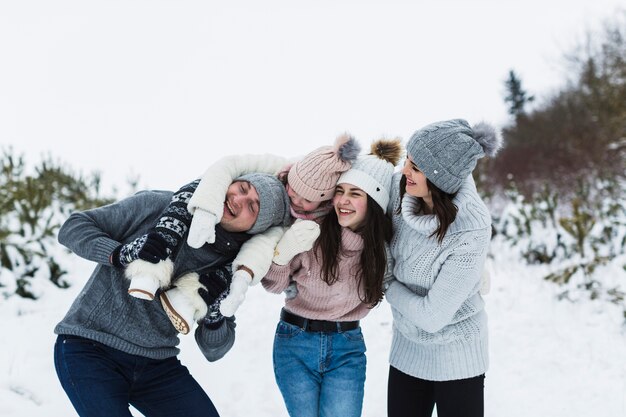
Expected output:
{"points": [[548, 357]]}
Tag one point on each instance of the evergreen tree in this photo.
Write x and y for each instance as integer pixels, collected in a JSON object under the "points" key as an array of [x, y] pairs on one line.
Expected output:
{"points": [[32, 208], [516, 98], [578, 131]]}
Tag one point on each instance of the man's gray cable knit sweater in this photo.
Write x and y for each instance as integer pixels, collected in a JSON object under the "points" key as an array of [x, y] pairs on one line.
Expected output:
{"points": [[105, 312]]}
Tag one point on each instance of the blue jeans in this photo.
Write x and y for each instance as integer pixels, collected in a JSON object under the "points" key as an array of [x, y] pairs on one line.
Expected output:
{"points": [[320, 374], [102, 381]]}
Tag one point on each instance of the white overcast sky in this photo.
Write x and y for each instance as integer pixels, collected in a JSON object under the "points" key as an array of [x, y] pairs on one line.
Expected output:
{"points": [[161, 88]]}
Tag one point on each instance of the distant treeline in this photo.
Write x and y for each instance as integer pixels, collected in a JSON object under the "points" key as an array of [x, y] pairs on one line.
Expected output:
{"points": [[576, 134]]}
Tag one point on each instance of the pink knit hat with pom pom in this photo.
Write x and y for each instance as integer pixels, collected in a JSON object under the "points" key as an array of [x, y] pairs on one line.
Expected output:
{"points": [[315, 176]]}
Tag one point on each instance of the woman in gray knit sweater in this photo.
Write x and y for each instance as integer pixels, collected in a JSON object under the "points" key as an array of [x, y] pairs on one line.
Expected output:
{"points": [[441, 230]]}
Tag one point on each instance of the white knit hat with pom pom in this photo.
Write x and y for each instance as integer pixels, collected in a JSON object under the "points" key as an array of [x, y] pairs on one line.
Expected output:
{"points": [[372, 173]]}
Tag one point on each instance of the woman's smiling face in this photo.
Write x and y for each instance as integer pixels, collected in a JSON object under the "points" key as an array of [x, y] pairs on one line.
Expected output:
{"points": [[416, 185], [350, 203]]}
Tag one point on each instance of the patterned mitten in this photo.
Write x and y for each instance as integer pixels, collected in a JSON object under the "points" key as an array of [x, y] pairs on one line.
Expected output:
{"points": [[150, 247], [215, 287], [146, 264]]}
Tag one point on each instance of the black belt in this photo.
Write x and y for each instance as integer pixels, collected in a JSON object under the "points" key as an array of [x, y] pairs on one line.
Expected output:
{"points": [[309, 325]]}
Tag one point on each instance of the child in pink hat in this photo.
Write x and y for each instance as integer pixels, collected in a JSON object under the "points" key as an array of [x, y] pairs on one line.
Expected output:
{"points": [[310, 184]]}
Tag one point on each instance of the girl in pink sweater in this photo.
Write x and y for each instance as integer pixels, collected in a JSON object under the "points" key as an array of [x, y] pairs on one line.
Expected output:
{"points": [[319, 352]]}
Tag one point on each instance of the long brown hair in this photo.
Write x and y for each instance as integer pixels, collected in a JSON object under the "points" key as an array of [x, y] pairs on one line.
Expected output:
{"points": [[443, 207], [375, 231]]}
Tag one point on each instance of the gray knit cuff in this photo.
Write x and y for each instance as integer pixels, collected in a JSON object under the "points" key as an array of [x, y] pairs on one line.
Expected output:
{"points": [[103, 249]]}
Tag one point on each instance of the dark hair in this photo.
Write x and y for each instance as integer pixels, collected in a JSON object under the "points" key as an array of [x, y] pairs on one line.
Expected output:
{"points": [[375, 231], [282, 177], [443, 207]]}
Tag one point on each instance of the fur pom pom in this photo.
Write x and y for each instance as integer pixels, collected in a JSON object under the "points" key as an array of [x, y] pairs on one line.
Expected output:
{"points": [[161, 272], [488, 137], [347, 148], [388, 149]]}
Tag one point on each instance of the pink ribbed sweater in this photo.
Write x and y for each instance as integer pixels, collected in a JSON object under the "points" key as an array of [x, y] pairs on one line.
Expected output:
{"points": [[316, 299]]}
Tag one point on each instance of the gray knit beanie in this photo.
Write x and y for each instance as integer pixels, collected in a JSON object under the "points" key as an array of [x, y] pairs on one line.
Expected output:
{"points": [[273, 202], [446, 152]]}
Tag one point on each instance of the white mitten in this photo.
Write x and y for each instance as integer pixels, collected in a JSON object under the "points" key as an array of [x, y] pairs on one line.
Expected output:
{"points": [[202, 228], [297, 239], [146, 278], [257, 253], [238, 288]]}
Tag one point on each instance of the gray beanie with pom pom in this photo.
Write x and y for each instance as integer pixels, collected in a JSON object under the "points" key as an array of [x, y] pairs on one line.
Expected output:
{"points": [[446, 152]]}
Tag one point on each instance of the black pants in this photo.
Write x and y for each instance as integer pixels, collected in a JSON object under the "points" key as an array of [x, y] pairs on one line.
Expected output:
{"points": [[408, 396]]}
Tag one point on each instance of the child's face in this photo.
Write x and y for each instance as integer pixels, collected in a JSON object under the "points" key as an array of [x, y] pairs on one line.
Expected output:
{"points": [[350, 204], [241, 207], [300, 204]]}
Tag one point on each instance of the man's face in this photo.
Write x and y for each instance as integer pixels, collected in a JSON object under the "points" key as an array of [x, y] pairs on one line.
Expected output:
{"points": [[241, 207]]}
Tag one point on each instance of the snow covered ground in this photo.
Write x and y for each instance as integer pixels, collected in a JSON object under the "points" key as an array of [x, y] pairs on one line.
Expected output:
{"points": [[102, 82], [548, 358]]}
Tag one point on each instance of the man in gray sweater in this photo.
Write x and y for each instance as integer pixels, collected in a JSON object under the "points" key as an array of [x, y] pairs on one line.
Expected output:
{"points": [[113, 349]]}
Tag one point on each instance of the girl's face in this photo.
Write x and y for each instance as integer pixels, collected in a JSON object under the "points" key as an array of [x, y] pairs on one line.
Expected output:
{"points": [[299, 204], [350, 203], [416, 181]]}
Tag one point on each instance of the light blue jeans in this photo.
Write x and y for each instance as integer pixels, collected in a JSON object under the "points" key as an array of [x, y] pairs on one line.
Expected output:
{"points": [[320, 374]]}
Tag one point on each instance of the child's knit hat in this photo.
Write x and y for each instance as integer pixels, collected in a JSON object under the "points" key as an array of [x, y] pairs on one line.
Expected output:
{"points": [[372, 173], [446, 152], [314, 177], [273, 202]]}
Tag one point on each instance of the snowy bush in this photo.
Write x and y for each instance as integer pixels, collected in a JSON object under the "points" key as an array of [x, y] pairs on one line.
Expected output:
{"points": [[581, 237], [32, 208]]}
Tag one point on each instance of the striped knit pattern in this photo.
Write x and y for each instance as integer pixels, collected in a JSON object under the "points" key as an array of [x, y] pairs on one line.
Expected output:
{"points": [[175, 219], [440, 326], [316, 299]]}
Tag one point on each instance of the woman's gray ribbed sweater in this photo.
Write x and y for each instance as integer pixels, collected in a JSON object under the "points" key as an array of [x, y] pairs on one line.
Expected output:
{"points": [[440, 326]]}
